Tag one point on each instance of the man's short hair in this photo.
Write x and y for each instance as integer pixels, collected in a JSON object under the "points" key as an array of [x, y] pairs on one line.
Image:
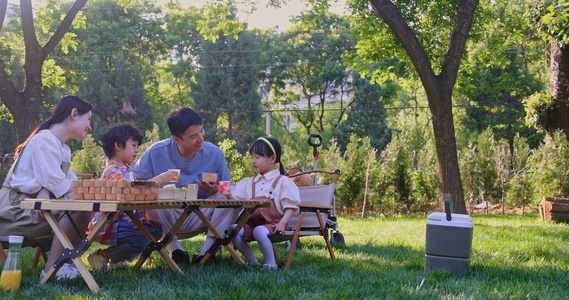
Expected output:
{"points": [[119, 133], [181, 119]]}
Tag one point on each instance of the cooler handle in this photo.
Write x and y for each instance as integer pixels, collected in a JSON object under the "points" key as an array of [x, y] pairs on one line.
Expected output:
{"points": [[448, 206]]}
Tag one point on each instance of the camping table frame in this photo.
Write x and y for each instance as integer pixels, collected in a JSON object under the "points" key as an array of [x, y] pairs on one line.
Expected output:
{"points": [[108, 208]]}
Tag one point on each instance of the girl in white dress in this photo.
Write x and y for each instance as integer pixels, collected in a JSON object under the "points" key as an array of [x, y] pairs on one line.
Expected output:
{"points": [[269, 183]]}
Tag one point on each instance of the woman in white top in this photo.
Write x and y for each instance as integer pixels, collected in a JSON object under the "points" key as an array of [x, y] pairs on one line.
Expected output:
{"points": [[269, 183], [42, 170]]}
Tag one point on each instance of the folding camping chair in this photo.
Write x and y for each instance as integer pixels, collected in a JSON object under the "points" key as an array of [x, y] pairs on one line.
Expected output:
{"points": [[310, 219]]}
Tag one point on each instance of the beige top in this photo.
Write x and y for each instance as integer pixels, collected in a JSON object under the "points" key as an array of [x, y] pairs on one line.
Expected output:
{"points": [[41, 164], [286, 193]]}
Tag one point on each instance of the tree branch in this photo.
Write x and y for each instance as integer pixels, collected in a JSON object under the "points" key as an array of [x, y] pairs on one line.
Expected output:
{"points": [[64, 26], [462, 26], [28, 29], [9, 94], [389, 13]]}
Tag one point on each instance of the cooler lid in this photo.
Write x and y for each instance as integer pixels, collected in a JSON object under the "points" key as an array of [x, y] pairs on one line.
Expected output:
{"points": [[458, 220]]}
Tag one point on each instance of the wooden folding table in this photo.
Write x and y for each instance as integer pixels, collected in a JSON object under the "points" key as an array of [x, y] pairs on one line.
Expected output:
{"points": [[109, 207]]}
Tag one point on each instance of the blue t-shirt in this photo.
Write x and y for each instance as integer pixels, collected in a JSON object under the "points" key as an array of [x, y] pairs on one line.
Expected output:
{"points": [[164, 155]]}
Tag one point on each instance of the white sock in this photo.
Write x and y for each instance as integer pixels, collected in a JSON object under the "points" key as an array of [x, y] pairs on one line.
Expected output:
{"points": [[207, 244], [174, 245], [261, 234], [244, 248]]}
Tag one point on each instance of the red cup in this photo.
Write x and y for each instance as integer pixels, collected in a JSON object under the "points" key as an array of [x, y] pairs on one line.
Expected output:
{"points": [[224, 186]]}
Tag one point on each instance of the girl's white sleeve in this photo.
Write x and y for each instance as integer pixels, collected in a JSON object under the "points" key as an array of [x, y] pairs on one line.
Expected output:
{"points": [[242, 191], [289, 195]]}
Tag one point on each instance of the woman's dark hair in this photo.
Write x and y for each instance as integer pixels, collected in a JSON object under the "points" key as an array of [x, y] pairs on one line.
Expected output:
{"points": [[119, 133], [60, 113], [181, 119], [260, 147]]}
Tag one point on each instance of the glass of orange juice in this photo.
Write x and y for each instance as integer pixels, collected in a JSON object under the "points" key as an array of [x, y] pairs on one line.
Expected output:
{"points": [[177, 172]]}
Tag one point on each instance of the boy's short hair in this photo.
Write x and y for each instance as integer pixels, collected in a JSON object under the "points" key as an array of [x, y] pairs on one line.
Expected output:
{"points": [[119, 133], [181, 119]]}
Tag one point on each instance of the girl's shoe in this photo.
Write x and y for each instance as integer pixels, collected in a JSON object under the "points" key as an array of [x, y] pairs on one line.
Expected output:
{"points": [[270, 266]]}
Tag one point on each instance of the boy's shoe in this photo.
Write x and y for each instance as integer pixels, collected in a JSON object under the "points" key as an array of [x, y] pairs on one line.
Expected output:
{"points": [[97, 261], [118, 265], [181, 257], [66, 271]]}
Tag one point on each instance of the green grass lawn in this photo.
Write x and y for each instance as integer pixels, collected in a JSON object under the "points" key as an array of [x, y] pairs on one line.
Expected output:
{"points": [[512, 257]]}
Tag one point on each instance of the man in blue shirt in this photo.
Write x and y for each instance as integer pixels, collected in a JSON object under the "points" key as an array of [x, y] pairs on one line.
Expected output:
{"points": [[186, 150]]}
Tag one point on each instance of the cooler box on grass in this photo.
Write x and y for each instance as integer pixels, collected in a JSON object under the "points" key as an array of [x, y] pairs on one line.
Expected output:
{"points": [[448, 243]]}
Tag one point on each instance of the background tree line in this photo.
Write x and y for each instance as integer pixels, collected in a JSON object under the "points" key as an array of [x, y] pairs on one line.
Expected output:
{"points": [[136, 60]]}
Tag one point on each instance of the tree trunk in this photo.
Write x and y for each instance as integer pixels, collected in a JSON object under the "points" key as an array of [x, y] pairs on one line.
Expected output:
{"points": [[437, 87], [559, 85], [445, 142], [3, 9], [25, 105]]}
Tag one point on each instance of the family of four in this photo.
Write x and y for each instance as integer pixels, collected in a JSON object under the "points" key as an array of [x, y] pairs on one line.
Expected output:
{"points": [[42, 170]]}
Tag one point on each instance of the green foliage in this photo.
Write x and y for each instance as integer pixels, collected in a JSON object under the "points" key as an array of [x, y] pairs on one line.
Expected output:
{"points": [[469, 173], [114, 71], [331, 158], [551, 19], [6, 52], [225, 89], [307, 72], [219, 17], [151, 137], [425, 178], [499, 74], [47, 17], [540, 111], [89, 159], [184, 40], [396, 166], [8, 137], [7, 161], [488, 180], [492, 171], [550, 174], [521, 188], [239, 165], [367, 116], [431, 22], [352, 183]]}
